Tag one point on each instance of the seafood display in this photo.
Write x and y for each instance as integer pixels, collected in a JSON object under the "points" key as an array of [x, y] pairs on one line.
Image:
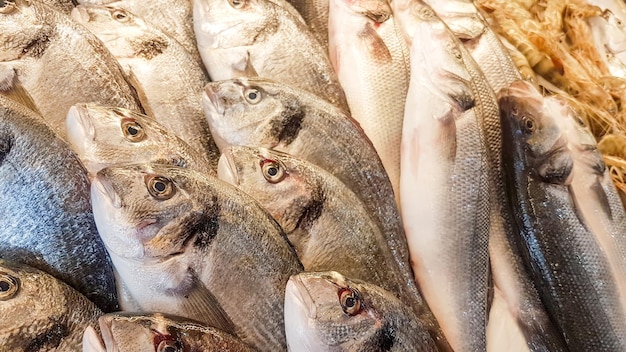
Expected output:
{"points": [[324, 175]]}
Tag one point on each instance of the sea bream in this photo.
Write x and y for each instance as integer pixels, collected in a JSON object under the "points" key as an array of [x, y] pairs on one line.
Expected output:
{"points": [[179, 245], [315, 14]]}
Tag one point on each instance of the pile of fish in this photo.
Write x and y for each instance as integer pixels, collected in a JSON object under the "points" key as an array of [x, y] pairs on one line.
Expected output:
{"points": [[325, 175]]}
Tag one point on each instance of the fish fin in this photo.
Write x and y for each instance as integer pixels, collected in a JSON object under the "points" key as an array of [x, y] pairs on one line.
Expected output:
{"points": [[374, 45], [202, 301], [91, 341], [244, 68], [577, 208], [377, 11], [602, 199], [460, 92], [448, 134], [133, 82], [12, 88]]}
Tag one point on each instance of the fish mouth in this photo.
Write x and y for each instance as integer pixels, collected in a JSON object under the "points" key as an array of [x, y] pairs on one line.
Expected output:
{"points": [[212, 100], [106, 325], [102, 189], [226, 170], [301, 297], [92, 341], [78, 126]]}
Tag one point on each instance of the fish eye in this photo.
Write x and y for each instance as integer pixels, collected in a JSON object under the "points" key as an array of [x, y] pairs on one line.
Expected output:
{"points": [[528, 124], [160, 187], [9, 286], [169, 346], [272, 170], [350, 301], [120, 15], [132, 130], [252, 95], [237, 3], [7, 6]]}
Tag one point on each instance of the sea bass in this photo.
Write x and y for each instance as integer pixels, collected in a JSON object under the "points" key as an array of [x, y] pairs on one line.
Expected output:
{"points": [[59, 62], [262, 38], [47, 221], [104, 136], [172, 81], [133, 332], [326, 311], [178, 242], [41, 313], [444, 186], [567, 264]]}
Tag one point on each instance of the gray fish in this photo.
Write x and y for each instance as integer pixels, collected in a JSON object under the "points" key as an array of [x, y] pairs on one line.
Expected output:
{"points": [[104, 136], [59, 62], [325, 311], [40, 312], [315, 14], [567, 264], [133, 332], [179, 245], [172, 81], [262, 38], [47, 221], [64, 6]]}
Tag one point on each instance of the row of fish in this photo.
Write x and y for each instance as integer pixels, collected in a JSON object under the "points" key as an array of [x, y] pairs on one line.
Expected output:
{"points": [[262, 210]]}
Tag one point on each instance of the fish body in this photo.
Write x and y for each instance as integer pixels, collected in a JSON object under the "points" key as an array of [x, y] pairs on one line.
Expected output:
{"points": [[104, 136], [262, 38], [179, 246], [568, 266], [172, 81], [315, 14], [36, 37], [131, 332], [46, 221], [326, 311], [45, 313], [64, 6]]}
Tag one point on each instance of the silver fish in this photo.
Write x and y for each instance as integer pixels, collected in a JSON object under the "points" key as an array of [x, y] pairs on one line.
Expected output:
{"points": [[47, 221], [315, 14]]}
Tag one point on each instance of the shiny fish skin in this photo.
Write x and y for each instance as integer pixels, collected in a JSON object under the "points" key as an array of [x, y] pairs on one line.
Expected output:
{"points": [[45, 191], [318, 319], [568, 267], [262, 38], [315, 14], [185, 250], [36, 38], [133, 332], [40, 312], [103, 136], [171, 80]]}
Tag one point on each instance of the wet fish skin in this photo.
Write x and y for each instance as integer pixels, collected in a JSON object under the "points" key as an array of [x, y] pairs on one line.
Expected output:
{"points": [[36, 37], [184, 250], [566, 263], [130, 332], [263, 38], [171, 80], [45, 191], [103, 136], [64, 6], [326, 311], [42, 313], [315, 14]]}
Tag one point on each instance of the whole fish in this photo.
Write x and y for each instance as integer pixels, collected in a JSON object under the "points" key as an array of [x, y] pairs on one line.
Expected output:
{"points": [[263, 38], [445, 186], [372, 62], [325, 221], [59, 62], [172, 81], [566, 263], [104, 136], [46, 221], [132, 332], [326, 311], [294, 121], [179, 245], [315, 14], [41, 313]]}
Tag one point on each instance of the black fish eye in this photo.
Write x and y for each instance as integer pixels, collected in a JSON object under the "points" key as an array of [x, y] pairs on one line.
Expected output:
{"points": [[528, 124], [169, 346], [160, 187], [252, 95], [272, 171], [237, 3], [120, 15], [9, 286], [132, 130], [350, 301]]}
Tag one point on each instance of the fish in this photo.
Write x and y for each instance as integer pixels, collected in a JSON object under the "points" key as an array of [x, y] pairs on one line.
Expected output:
{"points": [[326, 311], [42, 313], [171, 80], [444, 186], [265, 113], [36, 38], [179, 245], [315, 14], [47, 221], [609, 38], [567, 265], [327, 224], [64, 6], [372, 62], [131, 332], [262, 38], [105, 136]]}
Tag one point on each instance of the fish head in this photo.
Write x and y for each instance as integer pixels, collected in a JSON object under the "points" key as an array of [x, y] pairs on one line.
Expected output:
{"points": [[22, 30], [104, 136], [284, 185], [146, 211], [233, 23], [378, 11], [532, 134], [249, 111], [325, 310]]}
